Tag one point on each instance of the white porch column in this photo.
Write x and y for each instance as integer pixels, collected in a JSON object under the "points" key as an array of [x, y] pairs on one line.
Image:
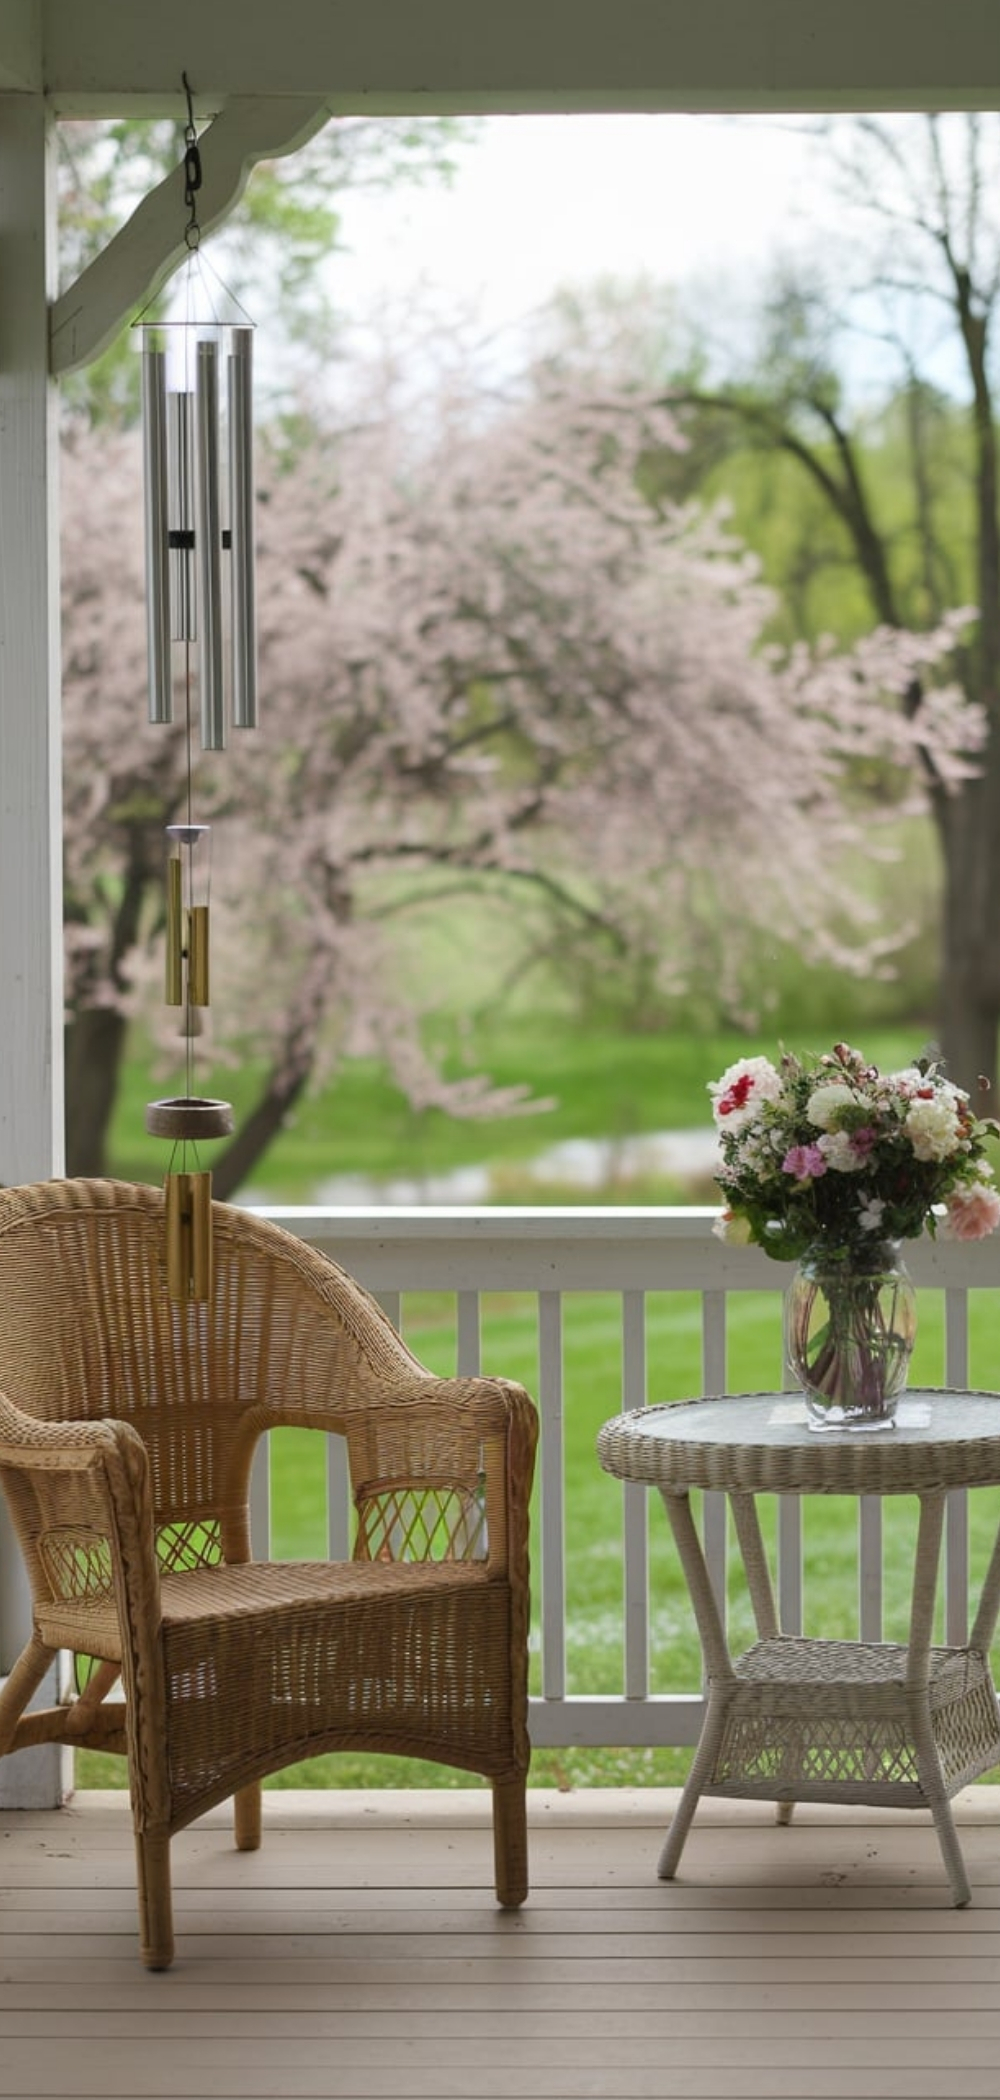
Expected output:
{"points": [[31, 1083]]}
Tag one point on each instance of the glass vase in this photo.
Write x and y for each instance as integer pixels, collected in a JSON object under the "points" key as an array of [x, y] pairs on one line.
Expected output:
{"points": [[850, 1326]]}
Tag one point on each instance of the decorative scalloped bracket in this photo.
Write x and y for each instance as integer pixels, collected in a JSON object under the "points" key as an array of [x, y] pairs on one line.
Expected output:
{"points": [[139, 259]]}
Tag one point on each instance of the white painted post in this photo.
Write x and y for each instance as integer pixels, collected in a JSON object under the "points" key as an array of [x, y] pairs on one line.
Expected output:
{"points": [[31, 1081]]}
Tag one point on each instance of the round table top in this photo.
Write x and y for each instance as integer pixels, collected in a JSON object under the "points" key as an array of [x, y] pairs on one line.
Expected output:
{"points": [[761, 1443]]}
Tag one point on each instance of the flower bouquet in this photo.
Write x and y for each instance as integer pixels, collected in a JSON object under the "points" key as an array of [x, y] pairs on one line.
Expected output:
{"points": [[831, 1163]]}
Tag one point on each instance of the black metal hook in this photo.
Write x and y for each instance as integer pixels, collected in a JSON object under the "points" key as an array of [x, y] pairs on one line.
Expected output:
{"points": [[192, 170]]}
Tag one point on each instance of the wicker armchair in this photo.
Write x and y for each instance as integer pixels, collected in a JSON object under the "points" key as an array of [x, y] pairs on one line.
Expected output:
{"points": [[127, 1430]]}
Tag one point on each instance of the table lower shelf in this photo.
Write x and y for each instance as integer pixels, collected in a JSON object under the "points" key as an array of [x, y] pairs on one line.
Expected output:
{"points": [[812, 1720]]}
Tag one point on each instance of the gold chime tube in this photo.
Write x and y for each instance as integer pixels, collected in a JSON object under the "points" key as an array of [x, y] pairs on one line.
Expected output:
{"points": [[188, 1202], [175, 932], [198, 985], [176, 1191], [187, 973], [208, 537], [241, 530], [155, 481], [201, 1237]]}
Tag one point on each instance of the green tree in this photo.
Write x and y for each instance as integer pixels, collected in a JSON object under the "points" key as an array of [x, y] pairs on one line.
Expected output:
{"points": [[273, 247], [908, 497]]}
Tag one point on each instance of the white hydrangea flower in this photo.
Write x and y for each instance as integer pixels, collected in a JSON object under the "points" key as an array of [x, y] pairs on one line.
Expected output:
{"points": [[825, 1102], [840, 1154], [932, 1127]]}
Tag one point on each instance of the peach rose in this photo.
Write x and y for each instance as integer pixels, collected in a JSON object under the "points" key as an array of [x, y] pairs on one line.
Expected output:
{"points": [[972, 1211]]}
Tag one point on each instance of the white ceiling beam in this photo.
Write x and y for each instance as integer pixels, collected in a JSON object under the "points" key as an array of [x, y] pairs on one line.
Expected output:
{"points": [[21, 46], [127, 273], [394, 56]]}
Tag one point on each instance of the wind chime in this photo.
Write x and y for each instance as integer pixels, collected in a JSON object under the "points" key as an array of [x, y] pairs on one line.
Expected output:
{"points": [[197, 400]]}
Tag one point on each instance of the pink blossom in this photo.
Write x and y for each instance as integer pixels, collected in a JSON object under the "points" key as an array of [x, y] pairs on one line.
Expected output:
{"points": [[972, 1211], [806, 1162]]}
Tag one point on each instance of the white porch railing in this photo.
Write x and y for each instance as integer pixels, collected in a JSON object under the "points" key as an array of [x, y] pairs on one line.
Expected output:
{"points": [[551, 1254]]}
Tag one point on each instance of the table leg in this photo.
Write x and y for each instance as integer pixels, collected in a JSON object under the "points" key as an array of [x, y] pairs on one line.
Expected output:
{"points": [[704, 1758], [929, 1772], [720, 1676], [754, 1557]]}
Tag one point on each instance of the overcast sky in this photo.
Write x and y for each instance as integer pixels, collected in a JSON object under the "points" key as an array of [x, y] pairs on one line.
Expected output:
{"points": [[703, 204], [538, 202]]}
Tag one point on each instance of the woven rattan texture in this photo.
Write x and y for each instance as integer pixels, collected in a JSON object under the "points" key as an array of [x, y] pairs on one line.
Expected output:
{"points": [[830, 1721], [805, 1719], [753, 1444], [127, 1431]]}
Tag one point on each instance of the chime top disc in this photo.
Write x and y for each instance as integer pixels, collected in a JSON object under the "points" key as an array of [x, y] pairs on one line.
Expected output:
{"points": [[189, 1116]]}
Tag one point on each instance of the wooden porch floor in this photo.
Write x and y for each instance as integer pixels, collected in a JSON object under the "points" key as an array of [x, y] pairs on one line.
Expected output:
{"points": [[359, 1956]]}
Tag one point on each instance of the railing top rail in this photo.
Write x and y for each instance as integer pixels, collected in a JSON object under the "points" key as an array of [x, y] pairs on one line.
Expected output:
{"points": [[579, 1236], [500, 1221]]}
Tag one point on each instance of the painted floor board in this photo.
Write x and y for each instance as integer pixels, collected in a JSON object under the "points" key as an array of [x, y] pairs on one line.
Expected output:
{"points": [[360, 1955]]}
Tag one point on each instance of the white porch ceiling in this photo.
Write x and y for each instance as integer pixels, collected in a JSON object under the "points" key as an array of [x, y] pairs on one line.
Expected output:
{"points": [[394, 56]]}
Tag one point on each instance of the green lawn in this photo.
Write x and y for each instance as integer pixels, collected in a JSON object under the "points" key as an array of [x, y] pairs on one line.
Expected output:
{"points": [[596, 1082]]}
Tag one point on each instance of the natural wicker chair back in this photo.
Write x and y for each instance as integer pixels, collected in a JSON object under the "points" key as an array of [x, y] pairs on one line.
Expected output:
{"points": [[127, 1431]]}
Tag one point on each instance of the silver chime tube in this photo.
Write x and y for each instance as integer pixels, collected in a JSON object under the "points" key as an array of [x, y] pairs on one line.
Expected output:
{"points": [[184, 625], [155, 482], [241, 530], [208, 537]]}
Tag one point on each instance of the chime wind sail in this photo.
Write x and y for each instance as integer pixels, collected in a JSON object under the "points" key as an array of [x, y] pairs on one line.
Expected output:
{"points": [[197, 397]]}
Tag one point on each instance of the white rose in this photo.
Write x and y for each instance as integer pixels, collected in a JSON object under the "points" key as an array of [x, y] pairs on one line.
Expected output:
{"points": [[825, 1103]]}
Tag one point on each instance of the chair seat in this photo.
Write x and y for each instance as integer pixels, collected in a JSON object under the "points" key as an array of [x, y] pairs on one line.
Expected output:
{"points": [[255, 1588], [271, 1662]]}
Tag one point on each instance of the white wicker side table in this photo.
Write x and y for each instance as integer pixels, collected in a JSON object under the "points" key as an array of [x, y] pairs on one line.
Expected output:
{"points": [[793, 1719]]}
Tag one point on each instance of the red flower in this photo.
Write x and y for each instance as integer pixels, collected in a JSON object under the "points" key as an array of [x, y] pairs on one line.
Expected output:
{"points": [[737, 1096]]}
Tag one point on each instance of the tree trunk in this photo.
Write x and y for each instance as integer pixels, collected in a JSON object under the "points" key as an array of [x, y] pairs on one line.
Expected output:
{"points": [[284, 1083], [97, 1034], [254, 1135], [969, 825], [95, 1047]]}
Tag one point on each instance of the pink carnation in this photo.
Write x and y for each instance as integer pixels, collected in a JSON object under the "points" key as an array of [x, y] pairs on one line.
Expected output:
{"points": [[806, 1162], [738, 1096], [972, 1211]]}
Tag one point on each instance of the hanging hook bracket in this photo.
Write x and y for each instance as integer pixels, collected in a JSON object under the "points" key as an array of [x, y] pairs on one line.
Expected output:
{"points": [[192, 170]]}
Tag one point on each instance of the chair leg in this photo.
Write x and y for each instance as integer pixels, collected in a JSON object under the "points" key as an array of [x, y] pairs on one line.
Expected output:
{"points": [[510, 1841], [156, 1923], [247, 1817], [23, 1681]]}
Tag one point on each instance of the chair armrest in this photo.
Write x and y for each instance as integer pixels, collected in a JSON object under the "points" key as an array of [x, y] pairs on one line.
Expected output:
{"points": [[442, 1469], [79, 1494]]}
